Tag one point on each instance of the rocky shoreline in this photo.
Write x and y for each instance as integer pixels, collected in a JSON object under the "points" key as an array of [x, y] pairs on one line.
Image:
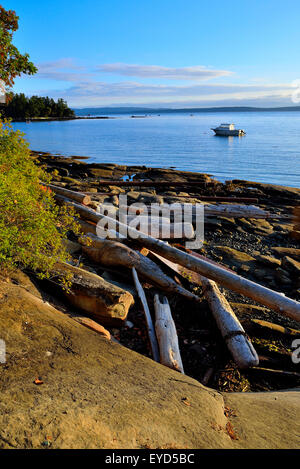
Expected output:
{"points": [[265, 251], [39, 320]]}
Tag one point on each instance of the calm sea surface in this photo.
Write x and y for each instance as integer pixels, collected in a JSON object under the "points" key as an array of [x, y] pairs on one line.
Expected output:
{"points": [[270, 152]]}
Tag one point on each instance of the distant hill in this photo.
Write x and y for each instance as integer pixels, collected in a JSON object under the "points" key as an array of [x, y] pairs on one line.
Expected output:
{"points": [[141, 110]]}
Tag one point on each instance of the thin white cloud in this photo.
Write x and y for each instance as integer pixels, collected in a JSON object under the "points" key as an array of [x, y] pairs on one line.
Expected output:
{"points": [[133, 89], [67, 63], [195, 73], [65, 69], [84, 89], [130, 93]]}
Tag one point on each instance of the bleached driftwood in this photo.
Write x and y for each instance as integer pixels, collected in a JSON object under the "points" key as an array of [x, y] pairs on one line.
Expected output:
{"points": [[270, 298], [232, 331], [161, 227], [115, 254], [150, 328], [214, 210], [167, 335], [235, 211], [230, 327]]}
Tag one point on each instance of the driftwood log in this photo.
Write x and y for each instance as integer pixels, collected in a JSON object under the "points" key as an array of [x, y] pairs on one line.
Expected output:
{"points": [[232, 331], [270, 298], [227, 210], [167, 335], [210, 210], [113, 253], [150, 327], [92, 294], [80, 197], [161, 228]]}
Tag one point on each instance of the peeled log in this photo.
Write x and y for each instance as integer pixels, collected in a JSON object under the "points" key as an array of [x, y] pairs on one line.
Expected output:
{"points": [[232, 331], [114, 254], [100, 299], [270, 298], [167, 335], [77, 196]]}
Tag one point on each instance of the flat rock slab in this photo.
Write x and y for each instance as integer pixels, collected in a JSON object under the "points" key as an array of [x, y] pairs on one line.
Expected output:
{"points": [[97, 394]]}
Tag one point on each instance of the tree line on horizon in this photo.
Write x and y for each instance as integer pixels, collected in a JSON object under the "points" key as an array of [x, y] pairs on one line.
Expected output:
{"points": [[20, 106]]}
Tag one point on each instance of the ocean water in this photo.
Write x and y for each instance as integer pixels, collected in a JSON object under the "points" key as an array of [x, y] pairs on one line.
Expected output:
{"points": [[270, 151]]}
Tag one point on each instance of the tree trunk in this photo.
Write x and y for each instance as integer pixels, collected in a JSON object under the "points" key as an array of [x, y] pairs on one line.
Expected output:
{"points": [[77, 196]]}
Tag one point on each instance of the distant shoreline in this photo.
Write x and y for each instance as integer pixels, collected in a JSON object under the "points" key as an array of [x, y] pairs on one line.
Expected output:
{"points": [[51, 119], [144, 110], [93, 113]]}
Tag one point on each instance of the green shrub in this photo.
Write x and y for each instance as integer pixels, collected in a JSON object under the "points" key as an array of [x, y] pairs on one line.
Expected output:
{"points": [[32, 226]]}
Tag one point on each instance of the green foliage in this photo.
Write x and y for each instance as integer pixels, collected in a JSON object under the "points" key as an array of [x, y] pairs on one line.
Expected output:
{"points": [[32, 226], [12, 62], [21, 107]]}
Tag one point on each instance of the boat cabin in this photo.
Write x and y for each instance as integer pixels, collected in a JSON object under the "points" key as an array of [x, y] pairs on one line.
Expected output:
{"points": [[226, 126]]}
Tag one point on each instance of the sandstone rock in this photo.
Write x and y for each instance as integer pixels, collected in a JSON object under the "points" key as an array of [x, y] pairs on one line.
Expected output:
{"points": [[291, 265], [93, 190], [133, 196], [290, 252], [147, 198], [268, 261], [98, 394], [282, 276], [115, 190], [272, 189], [283, 227], [234, 257], [261, 225], [101, 173]]}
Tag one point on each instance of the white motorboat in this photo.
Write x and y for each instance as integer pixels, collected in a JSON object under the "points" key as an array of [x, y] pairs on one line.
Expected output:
{"points": [[228, 130]]}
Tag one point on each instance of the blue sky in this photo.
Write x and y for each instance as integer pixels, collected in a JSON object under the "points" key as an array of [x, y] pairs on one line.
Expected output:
{"points": [[171, 53]]}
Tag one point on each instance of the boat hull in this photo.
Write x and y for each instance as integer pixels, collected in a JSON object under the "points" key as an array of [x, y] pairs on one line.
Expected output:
{"points": [[229, 133]]}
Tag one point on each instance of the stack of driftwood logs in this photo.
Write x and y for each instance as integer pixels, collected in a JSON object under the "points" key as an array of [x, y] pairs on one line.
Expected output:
{"points": [[111, 249]]}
